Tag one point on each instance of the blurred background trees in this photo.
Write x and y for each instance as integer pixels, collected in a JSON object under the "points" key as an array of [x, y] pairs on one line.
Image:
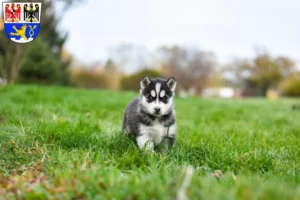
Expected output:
{"points": [[290, 86], [132, 82], [11, 56], [258, 75], [191, 67], [46, 61], [267, 71], [40, 65]]}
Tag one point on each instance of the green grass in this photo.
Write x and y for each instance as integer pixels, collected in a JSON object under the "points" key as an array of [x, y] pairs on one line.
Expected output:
{"points": [[63, 143]]}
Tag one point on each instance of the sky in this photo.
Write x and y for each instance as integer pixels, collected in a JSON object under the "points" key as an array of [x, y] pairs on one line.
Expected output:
{"points": [[230, 29]]}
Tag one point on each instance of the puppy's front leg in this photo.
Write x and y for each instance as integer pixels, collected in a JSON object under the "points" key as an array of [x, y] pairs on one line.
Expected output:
{"points": [[168, 142], [170, 137], [144, 142]]}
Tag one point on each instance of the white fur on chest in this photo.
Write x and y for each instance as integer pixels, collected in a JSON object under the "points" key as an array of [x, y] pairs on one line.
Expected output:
{"points": [[156, 132]]}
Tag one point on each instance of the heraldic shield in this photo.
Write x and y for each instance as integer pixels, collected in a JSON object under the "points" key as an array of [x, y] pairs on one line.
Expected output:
{"points": [[22, 20]]}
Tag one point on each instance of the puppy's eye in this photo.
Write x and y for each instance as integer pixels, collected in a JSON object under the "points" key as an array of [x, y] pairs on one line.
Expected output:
{"points": [[164, 98], [149, 98]]}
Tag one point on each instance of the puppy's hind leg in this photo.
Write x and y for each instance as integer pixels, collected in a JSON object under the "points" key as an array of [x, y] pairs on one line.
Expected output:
{"points": [[125, 128]]}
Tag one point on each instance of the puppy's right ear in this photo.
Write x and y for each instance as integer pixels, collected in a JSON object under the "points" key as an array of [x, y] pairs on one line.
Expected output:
{"points": [[144, 82], [171, 82]]}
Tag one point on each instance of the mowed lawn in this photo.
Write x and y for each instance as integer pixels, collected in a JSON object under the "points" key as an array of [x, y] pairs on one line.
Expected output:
{"points": [[64, 143]]}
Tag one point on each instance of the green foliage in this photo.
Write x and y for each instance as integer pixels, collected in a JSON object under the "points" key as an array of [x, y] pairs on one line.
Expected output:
{"points": [[132, 82], [267, 71], [61, 143], [39, 65], [260, 73], [291, 85]]}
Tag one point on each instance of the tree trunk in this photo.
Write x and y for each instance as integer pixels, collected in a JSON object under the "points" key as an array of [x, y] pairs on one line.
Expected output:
{"points": [[13, 57]]}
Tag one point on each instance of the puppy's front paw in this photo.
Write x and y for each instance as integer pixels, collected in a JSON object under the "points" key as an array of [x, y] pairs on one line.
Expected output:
{"points": [[145, 143]]}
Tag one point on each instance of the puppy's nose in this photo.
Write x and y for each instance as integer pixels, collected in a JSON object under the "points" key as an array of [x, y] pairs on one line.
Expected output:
{"points": [[157, 110]]}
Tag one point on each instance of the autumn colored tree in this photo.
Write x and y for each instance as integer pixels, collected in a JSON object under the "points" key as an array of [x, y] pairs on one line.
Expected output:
{"points": [[260, 73], [268, 71], [291, 85], [132, 82], [112, 75]]}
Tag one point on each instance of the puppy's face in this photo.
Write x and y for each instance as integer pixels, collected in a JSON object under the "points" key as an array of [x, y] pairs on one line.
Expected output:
{"points": [[157, 95]]}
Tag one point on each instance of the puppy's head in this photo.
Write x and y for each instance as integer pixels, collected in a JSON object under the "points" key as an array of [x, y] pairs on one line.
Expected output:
{"points": [[157, 95]]}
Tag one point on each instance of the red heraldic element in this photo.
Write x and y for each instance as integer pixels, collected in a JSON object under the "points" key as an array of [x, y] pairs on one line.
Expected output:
{"points": [[18, 12], [13, 14], [7, 12]]}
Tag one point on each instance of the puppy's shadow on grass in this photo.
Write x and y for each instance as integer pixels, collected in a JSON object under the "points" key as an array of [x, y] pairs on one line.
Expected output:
{"points": [[84, 136], [113, 145], [123, 151], [110, 145]]}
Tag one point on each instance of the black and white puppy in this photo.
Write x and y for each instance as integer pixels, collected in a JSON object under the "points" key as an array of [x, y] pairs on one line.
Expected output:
{"points": [[150, 118]]}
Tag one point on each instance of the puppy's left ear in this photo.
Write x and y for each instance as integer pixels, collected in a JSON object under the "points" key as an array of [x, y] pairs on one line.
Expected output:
{"points": [[145, 81], [171, 82]]}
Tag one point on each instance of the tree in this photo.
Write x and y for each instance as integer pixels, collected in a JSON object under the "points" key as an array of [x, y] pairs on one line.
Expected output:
{"points": [[216, 80], [11, 56], [258, 74], [112, 75], [237, 73], [132, 82], [291, 85], [39, 66], [268, 71], [200, 69], [110, 66], [190, 67]]}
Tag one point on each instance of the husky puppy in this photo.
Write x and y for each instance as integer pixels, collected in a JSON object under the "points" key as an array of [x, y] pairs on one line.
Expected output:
{"points": [[150, 118]]}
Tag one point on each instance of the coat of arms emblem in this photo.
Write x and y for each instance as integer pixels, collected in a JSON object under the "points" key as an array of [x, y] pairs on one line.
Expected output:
{"points": [[22, 20]]}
